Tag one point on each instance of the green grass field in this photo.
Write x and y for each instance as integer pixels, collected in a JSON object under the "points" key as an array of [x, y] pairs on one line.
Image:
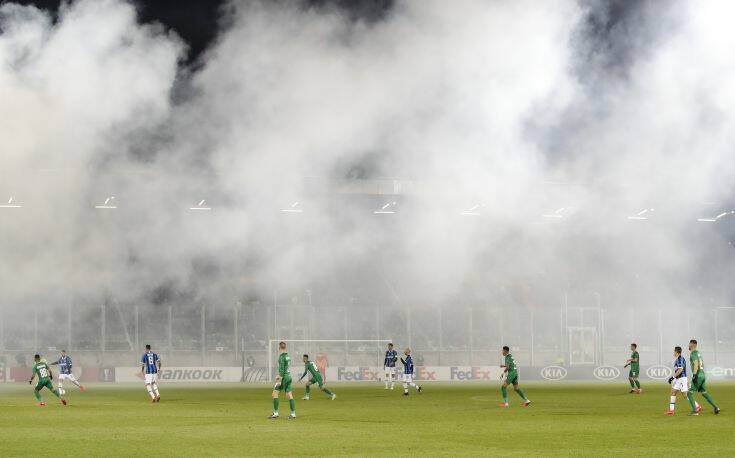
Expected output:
{"points": [[458, 419]]}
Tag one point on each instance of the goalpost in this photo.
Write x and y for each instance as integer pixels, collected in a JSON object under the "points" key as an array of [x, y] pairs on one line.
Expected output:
{"points": [[371, 351]]}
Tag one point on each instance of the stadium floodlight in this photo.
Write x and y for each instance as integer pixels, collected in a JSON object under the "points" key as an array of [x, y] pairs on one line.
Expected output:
{"points": [[558, 213], [642, 215], [716, 218], [11, 204], [108, 205], [472, 211], [387, 209], [293, 208], [201, 205]]}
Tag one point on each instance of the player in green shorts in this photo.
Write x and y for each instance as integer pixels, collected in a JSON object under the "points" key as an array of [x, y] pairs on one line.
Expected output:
{"points": [[283, 383], [635, 369], [316, 378], [45, 376], [698, 375], [511, 378]]}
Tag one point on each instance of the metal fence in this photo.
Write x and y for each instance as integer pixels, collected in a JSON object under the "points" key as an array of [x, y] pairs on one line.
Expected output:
{"points": [[574, 331]]}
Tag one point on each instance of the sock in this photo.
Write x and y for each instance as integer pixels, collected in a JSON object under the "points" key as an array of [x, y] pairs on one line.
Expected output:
{"points": [[275, 405], [521, 394], [405, 387], [150, 391], [632, 383], [59, 385], [155, 389], [37, 395], [504, 390], [387, 379], [74, 382], [709, 399], [637, 384], [56, 393], [692, 402], [308, 389], [328, 393], [672, 402], [292, 404]]}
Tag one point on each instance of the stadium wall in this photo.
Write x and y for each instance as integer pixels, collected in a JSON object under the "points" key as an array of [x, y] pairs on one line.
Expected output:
{"points": [[219, 374], [260, 358]]}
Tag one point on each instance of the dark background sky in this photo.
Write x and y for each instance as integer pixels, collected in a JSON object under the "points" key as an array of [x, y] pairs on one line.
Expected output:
{"points": [[607, 25], [196, 21]]}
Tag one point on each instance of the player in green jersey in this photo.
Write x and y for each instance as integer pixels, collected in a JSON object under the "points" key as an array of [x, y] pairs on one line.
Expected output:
{"points": [[511, 378], [316, 378], [45, 376], [283, 383], [635, 369], [698, 375]]}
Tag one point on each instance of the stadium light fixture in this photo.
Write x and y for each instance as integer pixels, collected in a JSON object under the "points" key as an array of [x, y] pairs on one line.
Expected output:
{"points": [[472, 211], [642, 215], [716, 218], [558, 213], [293, 208], [108, 205], [11, 204], [201, 205], [387, 209]]}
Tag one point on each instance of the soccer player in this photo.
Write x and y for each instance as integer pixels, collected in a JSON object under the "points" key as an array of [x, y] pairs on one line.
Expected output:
{"points": [[698, 375], [316, 378], [64, 363], [283, 383], [150, 365], [389, 366], [45, 376], [408, 372], [511, 378], [679, 383], [634, 362]]}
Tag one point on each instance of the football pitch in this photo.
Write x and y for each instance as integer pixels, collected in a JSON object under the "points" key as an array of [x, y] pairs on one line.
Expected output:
{"points": [[449, 420]]}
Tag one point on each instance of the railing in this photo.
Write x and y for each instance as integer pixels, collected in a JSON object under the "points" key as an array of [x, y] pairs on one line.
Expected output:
{"points": [[444, 335]]}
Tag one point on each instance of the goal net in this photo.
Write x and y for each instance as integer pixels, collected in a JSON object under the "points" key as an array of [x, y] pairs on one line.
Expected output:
{"points": [[328, 353]]}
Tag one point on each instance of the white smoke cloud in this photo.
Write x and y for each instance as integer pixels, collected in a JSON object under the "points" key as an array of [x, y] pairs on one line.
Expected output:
{"points": [[72, 92], [463, 98]]}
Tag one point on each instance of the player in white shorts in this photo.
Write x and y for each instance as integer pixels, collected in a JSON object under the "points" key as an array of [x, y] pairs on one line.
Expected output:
{"points": [[65, 373], [389, 366], [150, 364], [679, 383], [408, 373]]}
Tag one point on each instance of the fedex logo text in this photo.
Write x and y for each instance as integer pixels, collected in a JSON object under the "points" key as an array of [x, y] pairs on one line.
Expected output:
{"points": [[474, 373], [423, 374], [361, 374]]}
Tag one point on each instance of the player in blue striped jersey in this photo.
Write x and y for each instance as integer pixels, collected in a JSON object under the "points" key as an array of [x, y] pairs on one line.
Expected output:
{"points": [[389, 366], [680, 383], [65, 373], [408, 373], [150, 364]]}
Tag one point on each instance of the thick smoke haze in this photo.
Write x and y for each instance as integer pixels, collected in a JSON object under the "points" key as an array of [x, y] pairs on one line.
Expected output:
{"points": [[512, 139]]}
